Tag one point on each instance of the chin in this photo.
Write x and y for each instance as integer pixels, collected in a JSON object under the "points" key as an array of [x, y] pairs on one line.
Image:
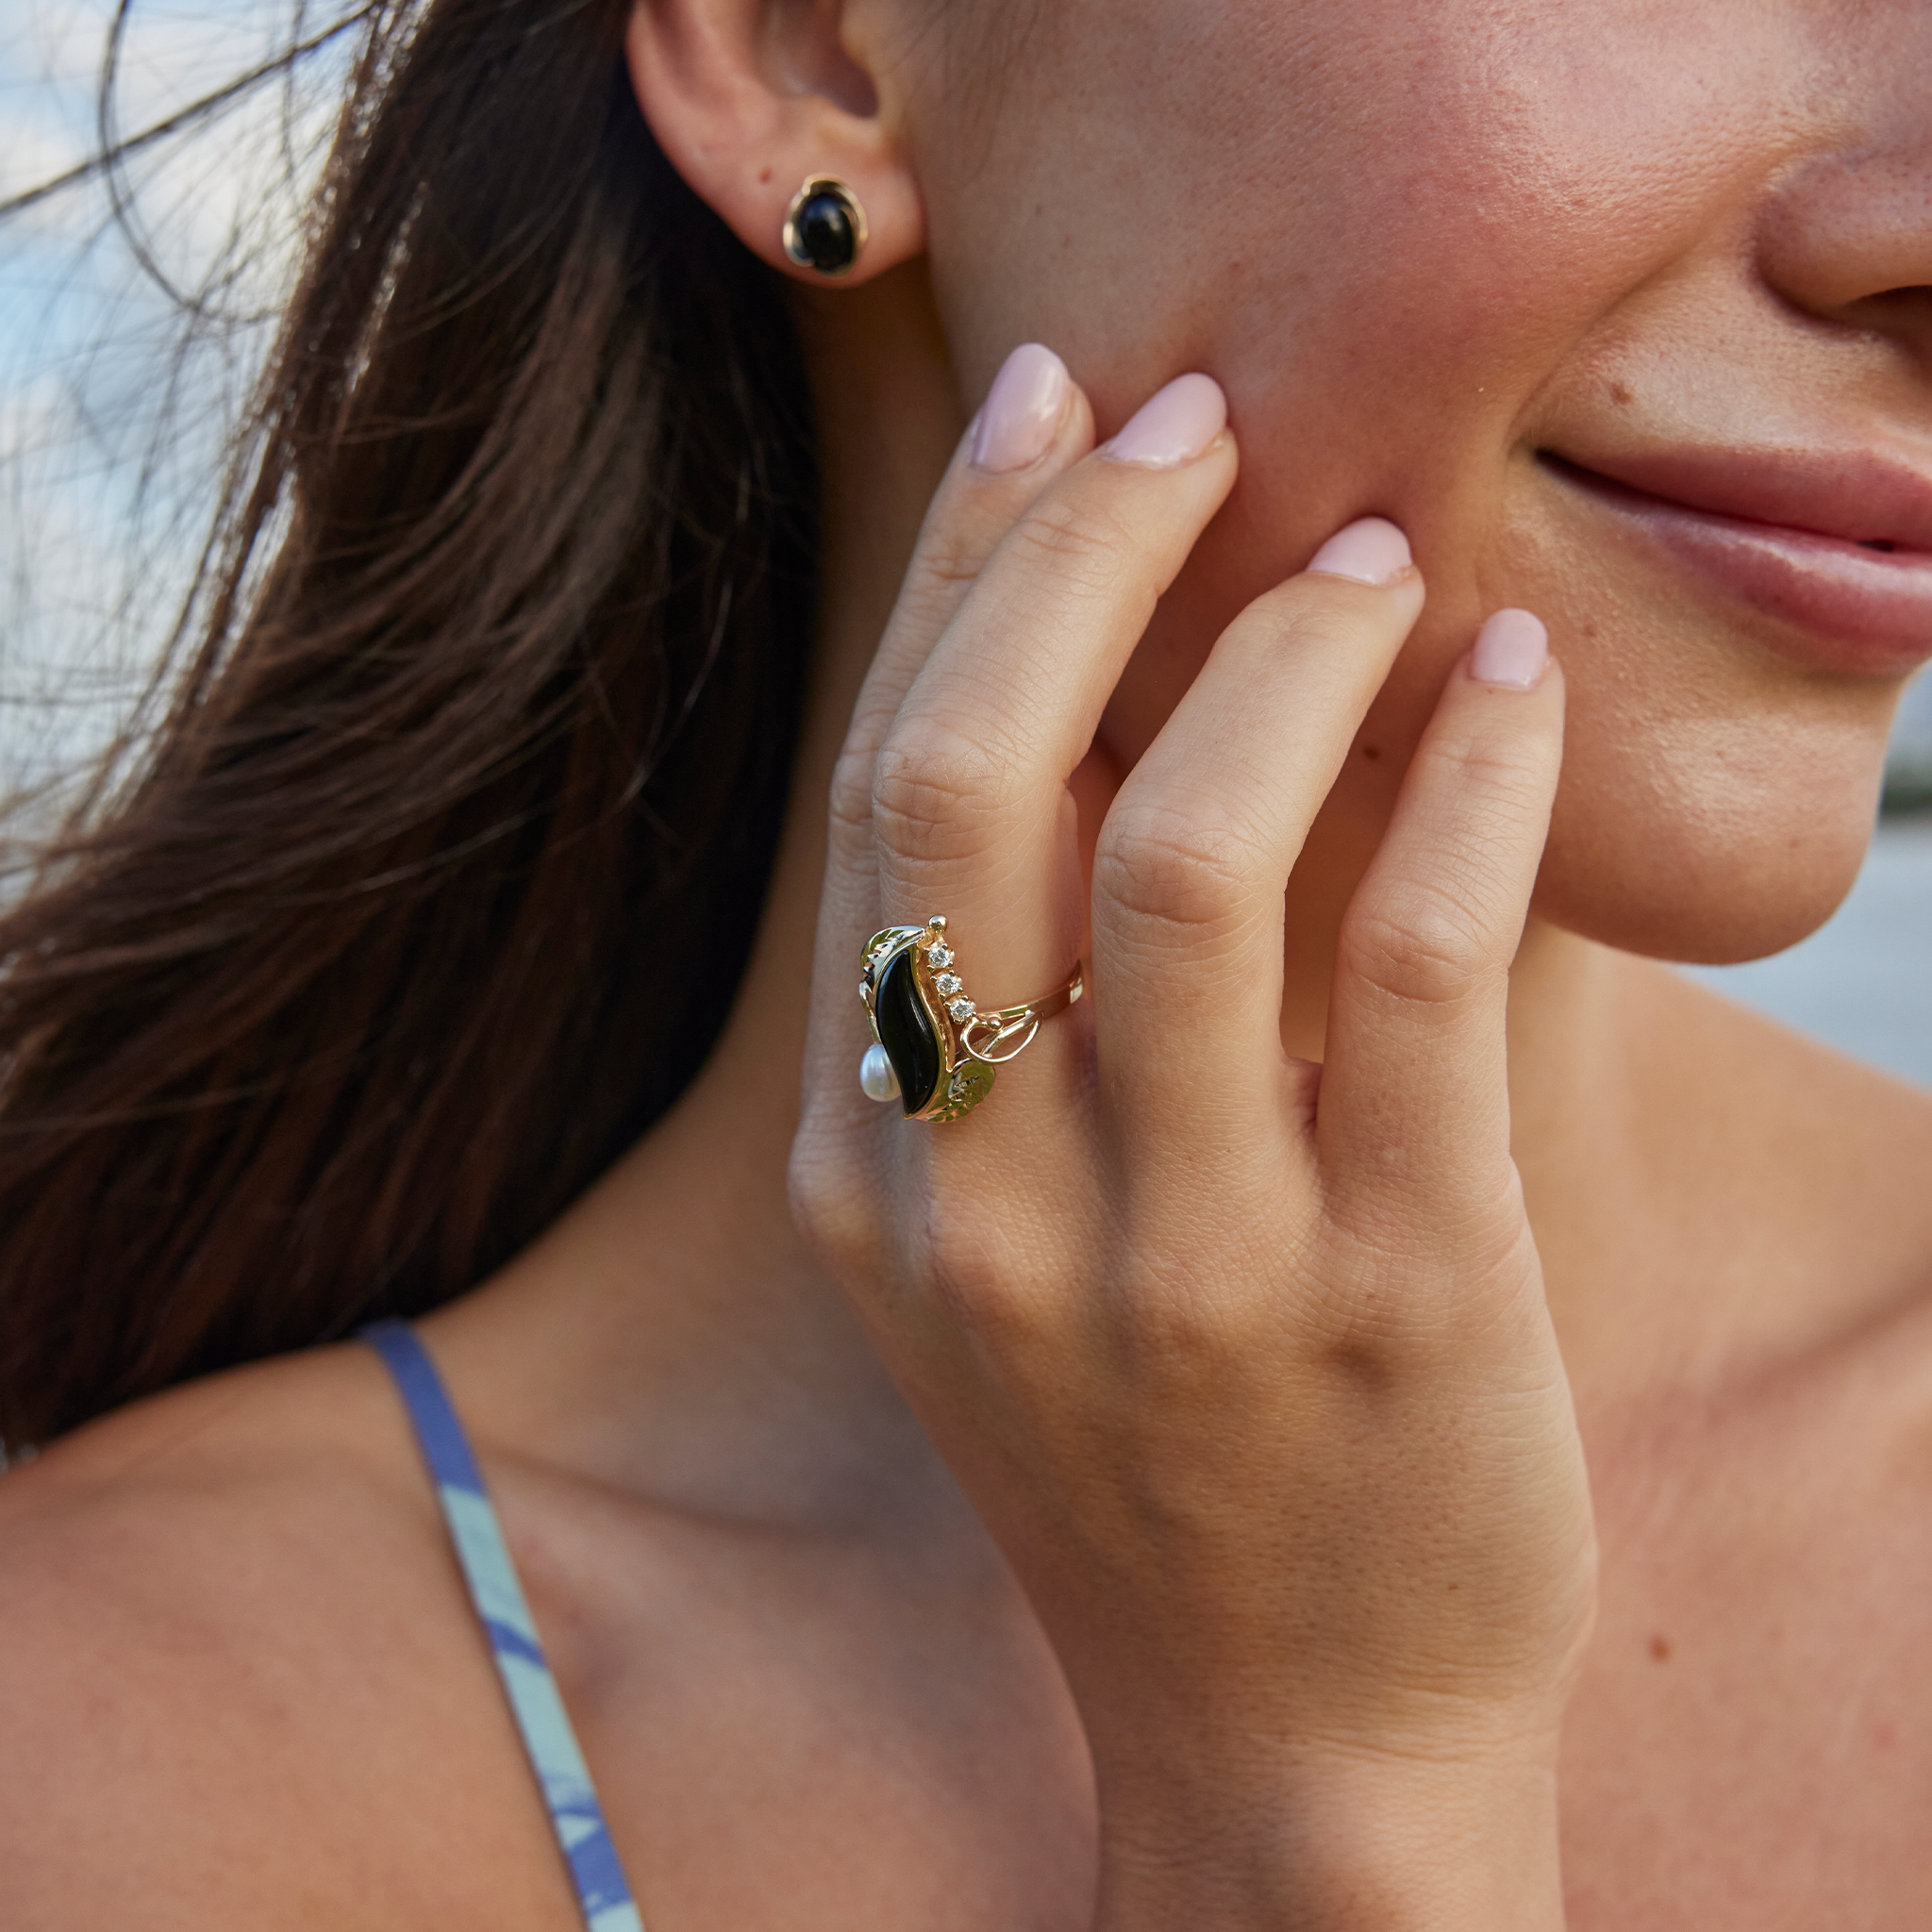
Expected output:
{"points": [[1706, 868], [1719, 786]]}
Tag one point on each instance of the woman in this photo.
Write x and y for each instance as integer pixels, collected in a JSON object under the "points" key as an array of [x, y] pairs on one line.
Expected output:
{"points": [[1151, 1488]]}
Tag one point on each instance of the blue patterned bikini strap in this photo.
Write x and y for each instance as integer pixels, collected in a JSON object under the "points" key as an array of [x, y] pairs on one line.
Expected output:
{"points": [[534, 1701]]}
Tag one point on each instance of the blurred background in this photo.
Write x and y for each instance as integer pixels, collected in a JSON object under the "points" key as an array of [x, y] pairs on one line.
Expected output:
{"points": [[135, 306]]}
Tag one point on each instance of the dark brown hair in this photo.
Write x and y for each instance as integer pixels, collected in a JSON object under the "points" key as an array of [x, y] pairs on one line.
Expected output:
{"points": [[433, 891]]}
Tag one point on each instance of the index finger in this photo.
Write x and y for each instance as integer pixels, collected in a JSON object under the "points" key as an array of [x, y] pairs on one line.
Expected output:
{"points": [[1036, 424]]}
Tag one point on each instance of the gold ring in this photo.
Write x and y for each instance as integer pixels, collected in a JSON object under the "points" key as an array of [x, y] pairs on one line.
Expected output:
{"points": [[932, 1048]]}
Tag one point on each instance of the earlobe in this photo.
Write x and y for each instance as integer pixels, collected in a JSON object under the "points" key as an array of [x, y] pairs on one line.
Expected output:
{"points": [[774, 121]]}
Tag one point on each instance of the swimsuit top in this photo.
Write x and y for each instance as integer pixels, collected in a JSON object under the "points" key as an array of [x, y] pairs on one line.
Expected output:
{"points": [[504, 1614]]}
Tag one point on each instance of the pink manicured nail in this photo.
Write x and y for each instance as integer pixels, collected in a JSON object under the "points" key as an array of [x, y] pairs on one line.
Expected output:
{"points": [[1371, 551], [1173, 425], [1023, 409], [1510, 650]]}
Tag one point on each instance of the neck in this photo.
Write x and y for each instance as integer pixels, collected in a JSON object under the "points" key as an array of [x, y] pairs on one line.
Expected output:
{"points": [[685, 1340]]}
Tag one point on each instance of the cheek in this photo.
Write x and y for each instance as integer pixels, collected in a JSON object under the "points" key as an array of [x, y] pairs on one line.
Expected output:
{"points": [[1430, 194], [1390, 229]]}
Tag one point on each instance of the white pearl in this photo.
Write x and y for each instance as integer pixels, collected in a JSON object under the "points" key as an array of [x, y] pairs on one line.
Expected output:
{"points": [[877, 1076]]}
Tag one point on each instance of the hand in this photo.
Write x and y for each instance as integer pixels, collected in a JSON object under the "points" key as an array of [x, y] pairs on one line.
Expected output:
{"points": [[1245, 1361]]}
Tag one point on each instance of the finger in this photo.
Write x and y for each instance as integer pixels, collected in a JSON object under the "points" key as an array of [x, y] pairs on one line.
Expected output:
{"points": [[970, 797], [1195, 853], [1034, 423], [1414, 1109]]}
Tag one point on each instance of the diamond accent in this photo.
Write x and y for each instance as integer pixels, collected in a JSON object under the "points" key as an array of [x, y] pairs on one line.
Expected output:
{"points": [[961, 1009], [948, 983], [939, 955]]}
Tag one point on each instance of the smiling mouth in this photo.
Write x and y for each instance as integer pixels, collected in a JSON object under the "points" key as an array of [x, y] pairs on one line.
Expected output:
{"points": [[1839, 556], [1612, 488]]}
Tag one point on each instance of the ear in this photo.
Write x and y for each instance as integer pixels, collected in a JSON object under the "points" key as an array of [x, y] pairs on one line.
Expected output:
{"points": [[752, 98]]}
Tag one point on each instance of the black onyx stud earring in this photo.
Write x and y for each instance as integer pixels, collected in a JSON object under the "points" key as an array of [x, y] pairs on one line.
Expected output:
{"points": [[825, 226]]}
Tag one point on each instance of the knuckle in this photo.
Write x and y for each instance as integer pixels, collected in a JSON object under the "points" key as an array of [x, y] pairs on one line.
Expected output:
{"points": [[1184, 872], [976, 1279], [1420, 944], [1307, 617], [850, 793], [951, 557], [932, 793], [1336, 634], [935, 588], [1367, 1312], [1179, 1334], [1510, 777], [1435, 1280], [850, 798], [1082, 544], [832, 1204]]}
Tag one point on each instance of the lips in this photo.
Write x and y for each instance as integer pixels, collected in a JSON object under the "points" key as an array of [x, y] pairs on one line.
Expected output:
{"points": [[1838, 547]]}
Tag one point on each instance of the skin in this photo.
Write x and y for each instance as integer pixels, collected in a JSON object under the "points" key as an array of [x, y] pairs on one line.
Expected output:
{"points": [[820, 1487]]}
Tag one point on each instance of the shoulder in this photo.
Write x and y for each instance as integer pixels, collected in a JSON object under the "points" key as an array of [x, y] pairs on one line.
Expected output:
{"points": [[1787, 1264], [208, 1496], [231, 1631]]}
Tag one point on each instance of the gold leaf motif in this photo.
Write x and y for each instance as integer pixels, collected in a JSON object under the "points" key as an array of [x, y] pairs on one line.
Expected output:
{"points": [[961, 1091]]}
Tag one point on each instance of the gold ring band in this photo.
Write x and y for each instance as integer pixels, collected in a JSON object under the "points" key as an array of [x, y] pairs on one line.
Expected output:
{"points": [[933, 1048]]}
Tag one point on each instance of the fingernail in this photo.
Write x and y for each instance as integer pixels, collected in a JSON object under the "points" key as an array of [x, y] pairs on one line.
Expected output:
{"points": [[1510, 650], [1023, 409], [1371, 551], [1173, 425]]}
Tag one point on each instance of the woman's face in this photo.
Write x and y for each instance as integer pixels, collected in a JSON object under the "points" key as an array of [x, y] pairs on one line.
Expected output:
{"points": [[1621, 307]]}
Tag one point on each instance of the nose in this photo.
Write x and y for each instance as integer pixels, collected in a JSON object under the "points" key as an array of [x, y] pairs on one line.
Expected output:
{"points": [[1847, 237]]}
